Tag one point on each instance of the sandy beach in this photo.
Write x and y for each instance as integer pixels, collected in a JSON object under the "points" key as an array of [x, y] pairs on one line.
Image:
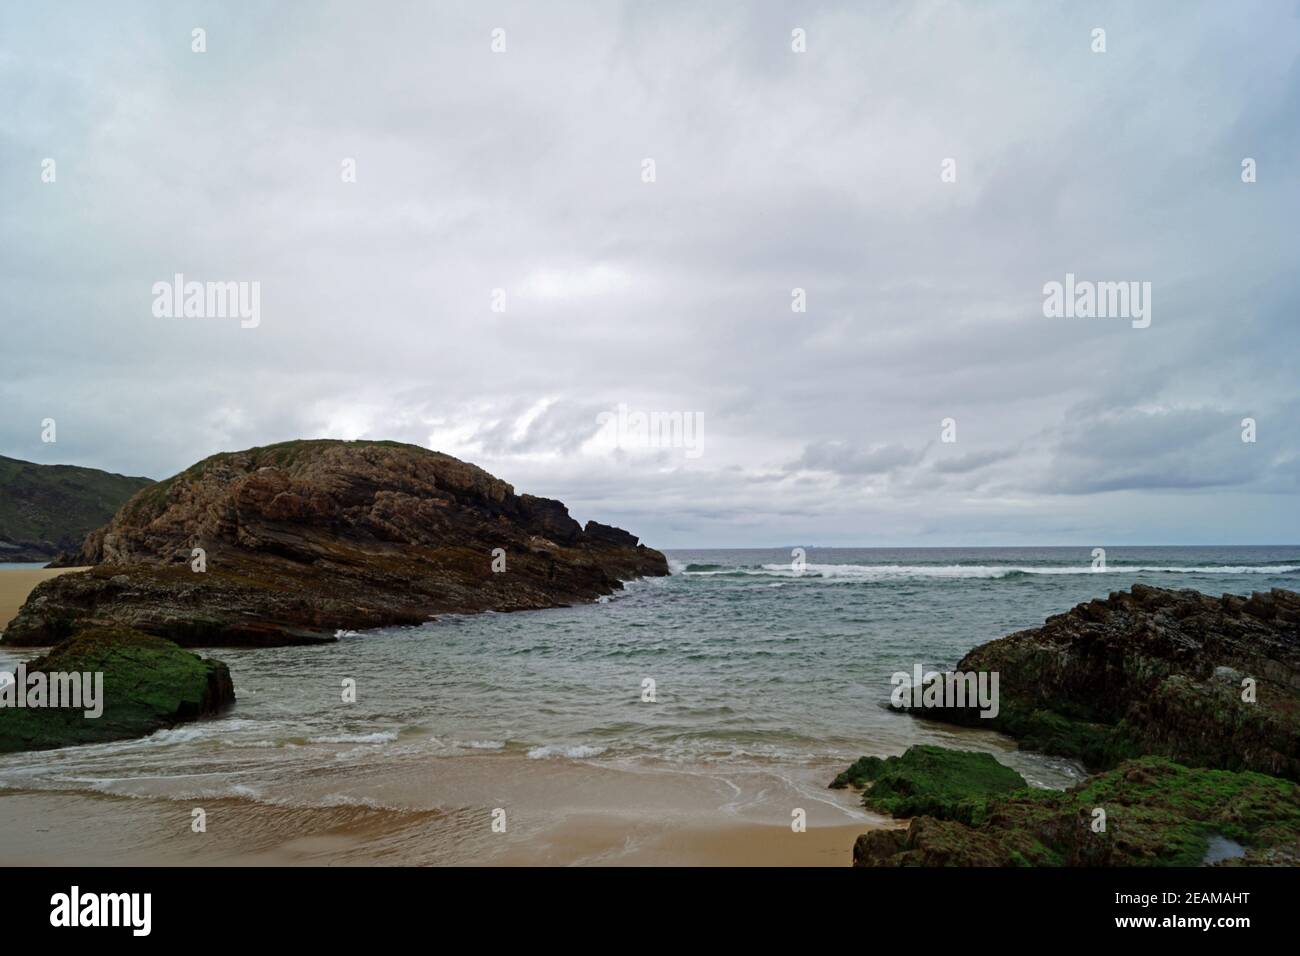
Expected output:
{"points": [[135, 802], [17, 583], [77, 829], [599, 842]]}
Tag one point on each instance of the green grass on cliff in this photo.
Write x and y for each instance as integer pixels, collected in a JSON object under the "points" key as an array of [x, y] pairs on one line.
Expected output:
{"points": [[286, 453], [58, 504], [279, 455]]}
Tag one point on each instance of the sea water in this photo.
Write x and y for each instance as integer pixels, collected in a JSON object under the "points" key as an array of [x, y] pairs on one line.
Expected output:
{"points": [[765, 676]]}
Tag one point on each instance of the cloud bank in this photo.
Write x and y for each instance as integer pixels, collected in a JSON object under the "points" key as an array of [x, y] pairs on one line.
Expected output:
{"points": [[501, 273]]}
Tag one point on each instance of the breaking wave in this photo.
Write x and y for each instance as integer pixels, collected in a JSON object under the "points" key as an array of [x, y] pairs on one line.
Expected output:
{"points": [[892, 572], [578, 752]]}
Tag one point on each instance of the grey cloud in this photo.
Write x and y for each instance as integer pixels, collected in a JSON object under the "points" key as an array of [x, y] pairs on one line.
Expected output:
{"points": [[961, 464], [842, 458], [1178, 449], [775, 171]]}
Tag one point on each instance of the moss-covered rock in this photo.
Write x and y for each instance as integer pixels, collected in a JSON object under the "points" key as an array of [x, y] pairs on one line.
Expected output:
{"points": [[859, 774], [1157, 813], [148, 684], [1205, 681], [934, 781]]}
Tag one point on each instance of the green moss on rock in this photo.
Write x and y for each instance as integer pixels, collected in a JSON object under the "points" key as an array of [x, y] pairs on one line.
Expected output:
{"points": [[1157, 813], [933, 781], [1046, 731], [148, 684], [860, 773]]}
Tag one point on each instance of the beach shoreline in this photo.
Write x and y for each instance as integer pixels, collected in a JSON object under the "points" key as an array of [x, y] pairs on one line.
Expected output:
{"points": [[403, 746], [80, 829]]}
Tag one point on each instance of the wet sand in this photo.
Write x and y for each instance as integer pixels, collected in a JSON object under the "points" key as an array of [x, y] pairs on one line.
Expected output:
{"points": [[421, 812], [602, 842], [76, 829], [17, 583]]}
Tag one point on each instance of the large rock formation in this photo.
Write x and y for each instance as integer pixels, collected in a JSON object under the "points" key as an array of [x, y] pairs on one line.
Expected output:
{"points": [[1123, 684], [1153, 671], [147, 684], [303, 538], [1156, 813], [47, 509]]}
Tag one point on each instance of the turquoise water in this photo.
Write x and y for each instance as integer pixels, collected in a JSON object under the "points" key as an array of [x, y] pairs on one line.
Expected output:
{"points": [[755, 667]]}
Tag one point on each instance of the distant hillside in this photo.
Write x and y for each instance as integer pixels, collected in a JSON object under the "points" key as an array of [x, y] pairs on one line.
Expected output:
{"points": [[45, 509]]}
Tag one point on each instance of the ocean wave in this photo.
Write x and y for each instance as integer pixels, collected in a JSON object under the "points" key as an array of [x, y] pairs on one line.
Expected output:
{"points": [[575, 752], [889, 572], [216, 730], [379, 737], [175, 735], [122, 787], [237, 793]]}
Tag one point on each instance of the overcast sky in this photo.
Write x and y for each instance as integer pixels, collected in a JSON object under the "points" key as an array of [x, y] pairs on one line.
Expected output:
{"points": [[523, 170]]}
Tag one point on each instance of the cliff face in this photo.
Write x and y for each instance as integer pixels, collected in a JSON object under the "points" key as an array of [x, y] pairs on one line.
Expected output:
{"points": [[46, 509], [1154, 671], [307, 537]]}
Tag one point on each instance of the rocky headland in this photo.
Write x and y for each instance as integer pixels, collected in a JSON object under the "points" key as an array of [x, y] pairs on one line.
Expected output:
{"points": [[1186, 706], [290, 543]]}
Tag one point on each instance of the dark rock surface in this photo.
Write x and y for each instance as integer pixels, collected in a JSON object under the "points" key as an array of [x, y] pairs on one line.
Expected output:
{"points": [[307, 537], [1153, 671]]}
